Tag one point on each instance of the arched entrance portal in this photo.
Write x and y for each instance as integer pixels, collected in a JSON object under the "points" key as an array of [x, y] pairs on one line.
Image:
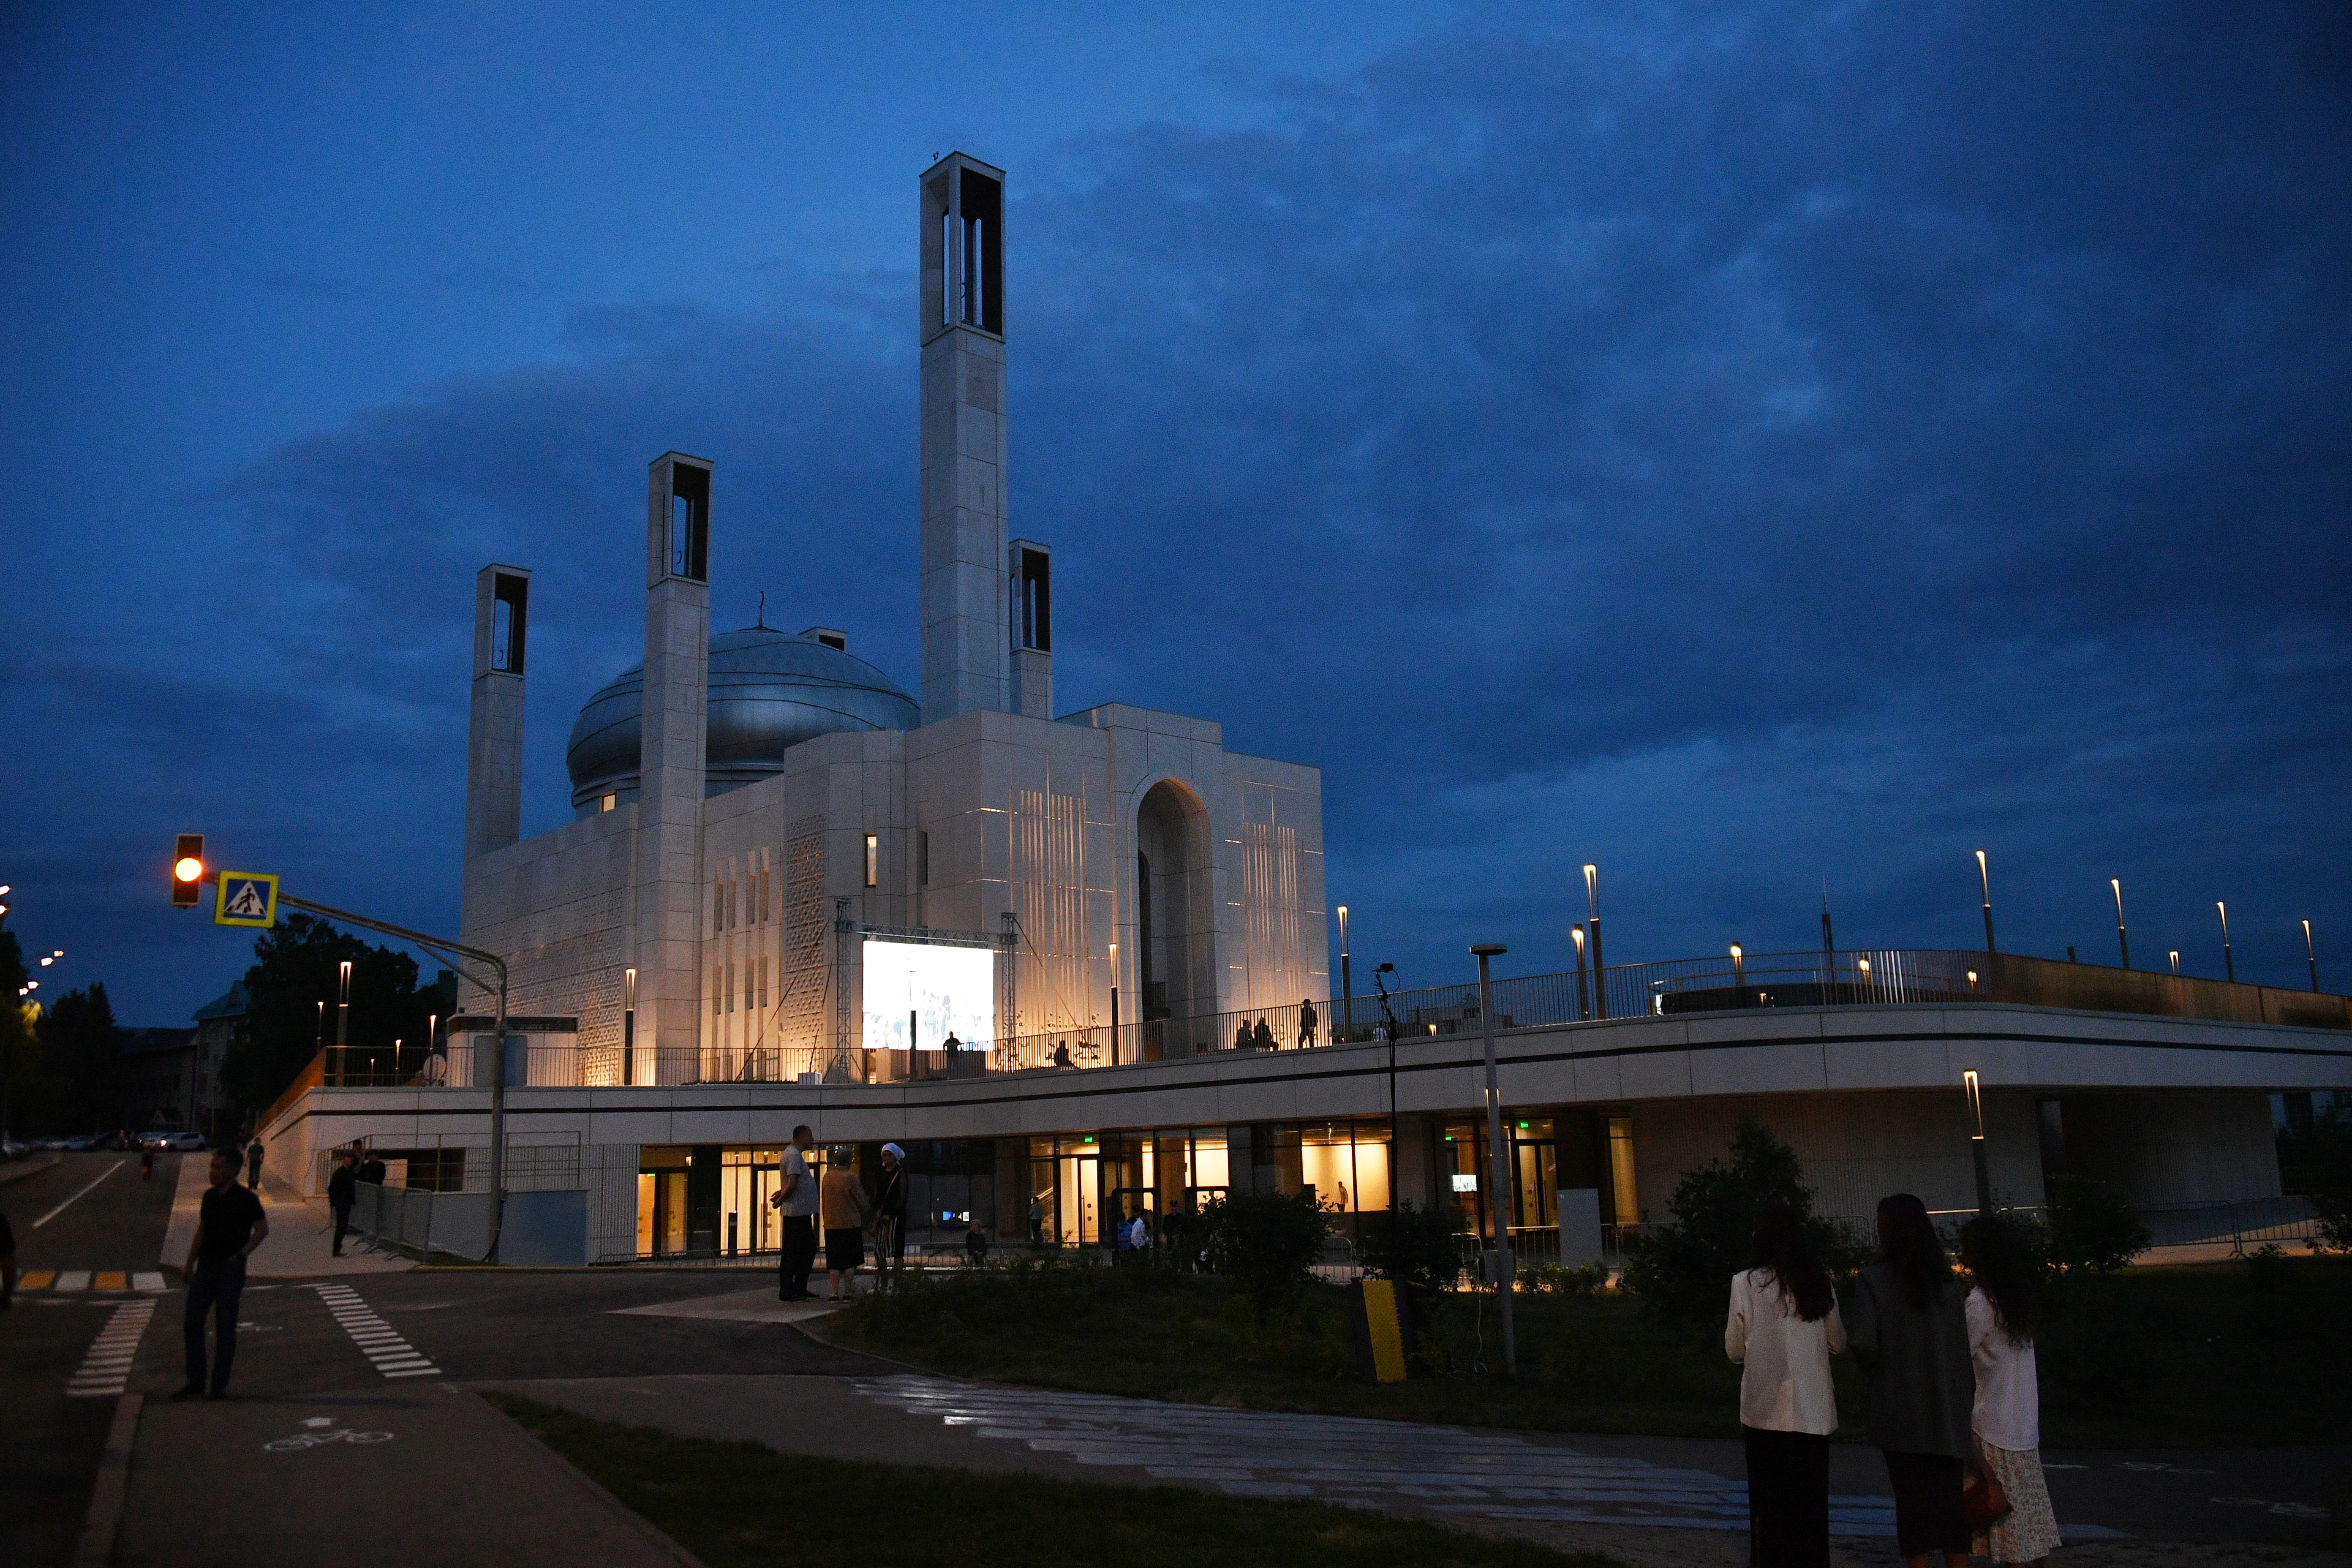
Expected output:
{"points": [[1175, 918]]}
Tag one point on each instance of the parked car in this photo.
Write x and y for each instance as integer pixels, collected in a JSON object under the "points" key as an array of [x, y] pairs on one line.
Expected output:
{"points": [[83, 1144], [158, 1138], [184, 1142], [10, 1148]]}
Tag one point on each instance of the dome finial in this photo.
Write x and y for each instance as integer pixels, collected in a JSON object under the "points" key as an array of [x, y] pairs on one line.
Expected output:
{"points": [[762, 619]]}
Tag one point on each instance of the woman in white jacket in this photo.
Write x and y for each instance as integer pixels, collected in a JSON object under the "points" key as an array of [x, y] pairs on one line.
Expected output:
{"points": [[2003, 1310], [1782, 1331]]}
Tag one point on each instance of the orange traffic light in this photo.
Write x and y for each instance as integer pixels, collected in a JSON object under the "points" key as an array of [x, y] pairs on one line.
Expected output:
{"points": [[187, 870]]}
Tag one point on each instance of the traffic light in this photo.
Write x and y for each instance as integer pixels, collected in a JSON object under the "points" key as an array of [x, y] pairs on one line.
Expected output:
{"points": [[187, 870]]}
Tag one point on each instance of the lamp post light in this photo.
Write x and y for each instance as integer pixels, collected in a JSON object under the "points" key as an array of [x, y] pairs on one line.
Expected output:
{"points": [[1114, 1004], [1347, 980], [343, 1016], [2311, 955], [629, 1026], [1977, 1141], [2175, 954], [1984, 875], [1592, 909], [1499, 1183], [1583, 998], [1739, 970], [2228, 965], [1863, 964], [2122, 940]]}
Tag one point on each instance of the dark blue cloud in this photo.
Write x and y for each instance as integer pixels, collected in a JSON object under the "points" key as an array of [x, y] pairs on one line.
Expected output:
{"points": [[1735, 445]]}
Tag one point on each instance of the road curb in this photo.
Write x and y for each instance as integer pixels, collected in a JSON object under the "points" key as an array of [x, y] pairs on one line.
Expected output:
{"points": [[107, 1495], [636, 1521], [16, 1173]]}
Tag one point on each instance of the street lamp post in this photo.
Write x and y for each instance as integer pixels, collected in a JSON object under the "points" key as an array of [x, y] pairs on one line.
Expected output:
{"points": [[629, 1026], [1984, 875], [1593, 907], [2311, 955], [1977, 1141], [1583, 998], [2175, 955], [344, 1018], [1114, 1004], [1499, 1183], [1739, 972], [2229, 965], [2122, 940], [1346, 981]]}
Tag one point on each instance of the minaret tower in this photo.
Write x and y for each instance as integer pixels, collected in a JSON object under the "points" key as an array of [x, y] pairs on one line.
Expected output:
{"points": [[669, 874], [494, 735], [966, 604]]}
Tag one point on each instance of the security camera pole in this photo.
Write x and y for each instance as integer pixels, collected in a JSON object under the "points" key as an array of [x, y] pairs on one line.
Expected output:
{"points": [[1497, 1159]]}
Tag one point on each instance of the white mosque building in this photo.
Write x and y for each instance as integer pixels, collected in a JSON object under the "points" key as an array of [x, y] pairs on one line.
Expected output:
{"points": [[1070, 960]]}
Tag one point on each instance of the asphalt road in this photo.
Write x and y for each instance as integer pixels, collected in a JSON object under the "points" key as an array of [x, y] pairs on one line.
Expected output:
{"points": [[49, 1442], [94, 1213]]}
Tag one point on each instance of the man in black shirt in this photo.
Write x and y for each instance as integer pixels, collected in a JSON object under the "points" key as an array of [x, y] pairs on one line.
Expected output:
{"points": [[253, 1158], [339, 1196], [229, 1226], [371, 1169]]}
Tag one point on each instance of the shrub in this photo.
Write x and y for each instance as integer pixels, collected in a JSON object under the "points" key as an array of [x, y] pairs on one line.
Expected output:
{"points": [[2267, 1268], [1415, 1247], [2092, 1229], [2316, 1160], [1683, 1271], [1575, 1281], [1266, 1243]]}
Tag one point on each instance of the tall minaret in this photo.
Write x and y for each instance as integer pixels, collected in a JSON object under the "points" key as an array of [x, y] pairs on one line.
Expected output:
{"points": [[494, 735], [966, 638], [668, 877]]}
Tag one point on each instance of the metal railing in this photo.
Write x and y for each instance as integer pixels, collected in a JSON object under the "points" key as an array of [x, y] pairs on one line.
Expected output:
{"points": [[1671, 988]]}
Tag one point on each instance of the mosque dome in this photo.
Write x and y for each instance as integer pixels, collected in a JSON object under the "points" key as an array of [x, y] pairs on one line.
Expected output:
{"points": [[769, 691]]}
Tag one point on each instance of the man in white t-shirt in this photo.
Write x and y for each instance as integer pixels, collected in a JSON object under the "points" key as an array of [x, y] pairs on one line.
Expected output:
{"points": [[796, 1196]]}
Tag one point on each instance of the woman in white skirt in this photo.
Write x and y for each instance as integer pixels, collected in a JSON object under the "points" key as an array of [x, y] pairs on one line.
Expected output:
{"points": [[2004, 1310]]}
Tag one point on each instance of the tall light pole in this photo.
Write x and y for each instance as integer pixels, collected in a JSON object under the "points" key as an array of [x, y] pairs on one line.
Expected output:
{"points": [[1347, 980], [1984, 875], [1593, 907], [628, 1025], [1501, 1182], [344, 1018], [2229, 965], [2311, 955], [1976, 1142], [2122, 940], [1583, 998], [1114, 1004]]}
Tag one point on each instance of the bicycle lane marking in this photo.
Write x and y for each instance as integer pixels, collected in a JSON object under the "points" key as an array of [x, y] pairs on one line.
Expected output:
{"points": [[386, 1351], [106, 1368], [321, 1431]]}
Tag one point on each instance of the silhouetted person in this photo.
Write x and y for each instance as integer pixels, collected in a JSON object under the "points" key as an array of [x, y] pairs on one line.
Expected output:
{"points": [[1062, 1056], [1910, 1333], [229, 1226], [1242, 1036], [1264, 1038], [1307, 1021], [975, 1243], [253, 1158], [341, 1191], [371, 1169]]}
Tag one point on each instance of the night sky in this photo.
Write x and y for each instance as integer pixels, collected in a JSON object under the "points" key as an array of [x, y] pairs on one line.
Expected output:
{"points": [[1735, 445]]}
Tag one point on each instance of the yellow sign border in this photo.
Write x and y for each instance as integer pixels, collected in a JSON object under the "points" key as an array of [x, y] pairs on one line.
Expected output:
{"points": [[221, 917]]}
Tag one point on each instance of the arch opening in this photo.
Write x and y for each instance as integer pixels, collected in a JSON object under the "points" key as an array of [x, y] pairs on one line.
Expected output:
{"points": [[1175, 906]]}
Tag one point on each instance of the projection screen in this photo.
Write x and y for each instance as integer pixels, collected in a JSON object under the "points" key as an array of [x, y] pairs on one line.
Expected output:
{"points": [[950, 990]]}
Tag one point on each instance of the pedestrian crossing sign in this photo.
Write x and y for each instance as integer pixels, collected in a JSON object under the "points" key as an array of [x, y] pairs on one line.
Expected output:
{"points": [[245, 899]]}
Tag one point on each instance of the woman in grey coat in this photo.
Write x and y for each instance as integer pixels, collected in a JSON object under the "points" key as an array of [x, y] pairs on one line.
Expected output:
{"points": [[1910, 1334]]}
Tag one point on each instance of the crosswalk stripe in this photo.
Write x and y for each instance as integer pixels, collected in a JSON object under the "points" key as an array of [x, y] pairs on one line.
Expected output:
{"points": [[106, 1366], [36, 1279], [386, 1350], [73, 1280], [148, 1279], [112, 1279]]}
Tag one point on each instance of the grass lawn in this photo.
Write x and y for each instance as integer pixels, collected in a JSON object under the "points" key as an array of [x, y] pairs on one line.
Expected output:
{"points": [[745, 1504], [2172, 1357]]}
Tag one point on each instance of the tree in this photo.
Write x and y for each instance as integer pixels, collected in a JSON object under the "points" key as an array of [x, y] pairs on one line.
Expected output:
{"points": [[298, 970], [1413, 1247], [80, 1048], [1266, 1242], [1682, 1272], [2092, 1229], [20, 1057], [2315, 1161]]}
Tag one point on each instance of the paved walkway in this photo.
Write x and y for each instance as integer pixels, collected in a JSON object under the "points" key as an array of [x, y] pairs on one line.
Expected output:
{"points": [[425, 1473], [301, 1240]]}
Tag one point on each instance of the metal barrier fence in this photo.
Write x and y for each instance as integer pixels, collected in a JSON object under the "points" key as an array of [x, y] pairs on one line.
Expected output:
{"points": [[1846, 978]]}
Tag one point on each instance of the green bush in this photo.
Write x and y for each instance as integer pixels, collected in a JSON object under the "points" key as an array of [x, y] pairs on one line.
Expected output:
{"points": [[1683, 1271], [1415, 1247], [2092, 1229], [2315, 1161], [1266, 1243], [1575, 1281], [2267, 1268]]}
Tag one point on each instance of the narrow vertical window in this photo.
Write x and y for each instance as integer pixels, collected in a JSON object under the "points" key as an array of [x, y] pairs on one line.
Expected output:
{"points": [[717, 991], [763, 983], [873, 859], [718, 907], [509, 599], [923, 858]]}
